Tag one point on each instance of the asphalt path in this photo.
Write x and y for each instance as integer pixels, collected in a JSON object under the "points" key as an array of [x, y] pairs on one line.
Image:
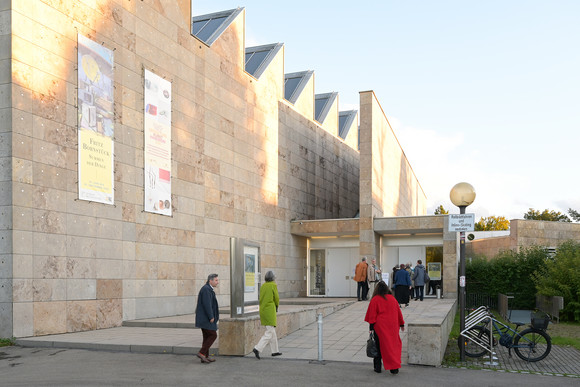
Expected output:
{"points": [[76, 367]]}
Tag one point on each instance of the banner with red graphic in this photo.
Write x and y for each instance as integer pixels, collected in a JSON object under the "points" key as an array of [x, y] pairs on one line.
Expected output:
{"points": [[157, 121]]}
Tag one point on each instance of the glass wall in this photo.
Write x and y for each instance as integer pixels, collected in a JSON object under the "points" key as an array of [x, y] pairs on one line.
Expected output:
{"points": [[317, 270]]}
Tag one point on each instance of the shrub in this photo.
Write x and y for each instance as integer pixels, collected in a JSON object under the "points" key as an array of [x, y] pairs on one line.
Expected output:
{"points": [[508, 273], [561, 277]]}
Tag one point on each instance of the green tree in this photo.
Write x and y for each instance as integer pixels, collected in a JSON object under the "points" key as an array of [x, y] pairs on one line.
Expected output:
{"points": [[440, 210], [551, 216], [561, 277], [575, 215], [492, 223]]}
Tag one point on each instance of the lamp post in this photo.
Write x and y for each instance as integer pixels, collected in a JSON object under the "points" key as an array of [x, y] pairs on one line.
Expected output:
{"points": [[462, 195]]}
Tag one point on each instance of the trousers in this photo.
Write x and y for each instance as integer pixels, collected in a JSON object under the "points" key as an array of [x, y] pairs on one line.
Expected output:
{"points": [[209, 337], [268, 337]]}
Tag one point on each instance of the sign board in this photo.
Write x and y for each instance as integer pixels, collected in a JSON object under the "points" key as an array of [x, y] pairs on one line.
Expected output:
{"points": [[461, 222], [385, 277]]}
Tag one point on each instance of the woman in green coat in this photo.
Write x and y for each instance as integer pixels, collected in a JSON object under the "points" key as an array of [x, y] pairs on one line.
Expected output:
{"points": [[269, 302]]}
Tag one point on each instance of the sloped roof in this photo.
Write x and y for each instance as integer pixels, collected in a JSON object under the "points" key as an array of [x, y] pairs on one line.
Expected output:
{"points": [[322, 104], [259, 57], [208, 28], [294, 83], [345, 120]]}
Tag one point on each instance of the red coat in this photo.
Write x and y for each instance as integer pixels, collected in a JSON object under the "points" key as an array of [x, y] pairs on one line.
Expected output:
{"points": [[386, 314]]}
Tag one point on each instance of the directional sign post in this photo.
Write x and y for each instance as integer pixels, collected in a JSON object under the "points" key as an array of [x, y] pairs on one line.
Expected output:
{"points": [[461, 222]]}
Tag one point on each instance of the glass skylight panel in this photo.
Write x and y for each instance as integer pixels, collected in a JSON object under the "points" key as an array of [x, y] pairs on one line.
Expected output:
{"points": [[319, 105], [290, 86], [255, 60], [206, 28], [345, 122], [342, 118]]}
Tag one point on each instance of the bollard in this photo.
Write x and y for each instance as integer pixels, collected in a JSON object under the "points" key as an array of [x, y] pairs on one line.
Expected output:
{"points": [[320, 337], [438, 292]]}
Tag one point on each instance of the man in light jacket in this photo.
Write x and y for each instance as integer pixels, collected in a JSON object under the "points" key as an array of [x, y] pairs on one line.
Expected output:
{"points": [[373, 275]]}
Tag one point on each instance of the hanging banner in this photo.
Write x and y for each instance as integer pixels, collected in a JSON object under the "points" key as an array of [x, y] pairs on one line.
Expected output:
{"points": [[157, 121], [96, 114]]}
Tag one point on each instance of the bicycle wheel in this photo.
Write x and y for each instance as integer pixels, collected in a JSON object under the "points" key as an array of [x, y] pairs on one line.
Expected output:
{"points": [[471, 348], [532, 344]]}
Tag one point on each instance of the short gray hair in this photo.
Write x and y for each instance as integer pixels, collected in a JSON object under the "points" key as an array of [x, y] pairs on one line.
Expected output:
{"points": [[364, 258], [269, 277], [211, 276]]}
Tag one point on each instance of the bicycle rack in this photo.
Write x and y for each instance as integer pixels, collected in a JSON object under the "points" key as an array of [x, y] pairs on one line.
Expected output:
{"points": [[476, 317]]}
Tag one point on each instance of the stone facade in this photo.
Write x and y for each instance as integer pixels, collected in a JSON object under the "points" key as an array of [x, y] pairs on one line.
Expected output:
{"points": [[526, 233], [245, 163]]}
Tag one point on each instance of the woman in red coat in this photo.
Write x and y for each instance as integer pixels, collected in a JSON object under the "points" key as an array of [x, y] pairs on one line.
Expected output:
{"points": [[385, 318]]}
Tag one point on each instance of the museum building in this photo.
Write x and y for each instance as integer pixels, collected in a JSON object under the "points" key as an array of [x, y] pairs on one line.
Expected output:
{"points": [[138, 142]]}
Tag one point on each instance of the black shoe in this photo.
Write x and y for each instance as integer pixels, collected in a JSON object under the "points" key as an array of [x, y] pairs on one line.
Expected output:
{"points": [[395, 371], [378, 371], [257, 353], [277, 354], [406, 305]]}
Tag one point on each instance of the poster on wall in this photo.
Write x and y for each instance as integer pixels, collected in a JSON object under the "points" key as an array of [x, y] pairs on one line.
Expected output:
{"points": [[95, 121], [157, 128], [250, 272], [434, 270]]}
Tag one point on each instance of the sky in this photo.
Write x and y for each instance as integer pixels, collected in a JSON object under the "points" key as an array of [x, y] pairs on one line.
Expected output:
{"points": [[486, 92]]}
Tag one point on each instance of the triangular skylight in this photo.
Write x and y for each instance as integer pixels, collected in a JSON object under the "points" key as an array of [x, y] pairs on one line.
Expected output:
{"points": [[345, 120], [259, 57], [322, 104], [294, 83], [208, 28]]}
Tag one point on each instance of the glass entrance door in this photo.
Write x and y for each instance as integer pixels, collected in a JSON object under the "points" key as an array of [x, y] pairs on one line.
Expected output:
{"points": [[317, 271], [434, 264]]}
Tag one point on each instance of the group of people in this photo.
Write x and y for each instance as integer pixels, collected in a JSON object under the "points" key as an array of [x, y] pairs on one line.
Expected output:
{"points": [[383, 314], [409, 283], [207, 316], [366, 277]]}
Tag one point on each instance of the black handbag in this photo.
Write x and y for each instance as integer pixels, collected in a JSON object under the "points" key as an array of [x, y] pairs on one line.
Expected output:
{"points": [[372, 350]]}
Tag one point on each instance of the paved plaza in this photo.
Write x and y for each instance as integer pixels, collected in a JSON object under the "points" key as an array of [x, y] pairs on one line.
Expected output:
{"points": [[344, 339]]}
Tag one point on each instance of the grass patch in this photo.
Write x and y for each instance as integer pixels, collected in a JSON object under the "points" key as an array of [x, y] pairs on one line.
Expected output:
{"points": [[6, 342]]}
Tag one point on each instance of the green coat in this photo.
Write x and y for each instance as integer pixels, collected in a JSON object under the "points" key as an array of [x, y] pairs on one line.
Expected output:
{"points": [[269, 302]]}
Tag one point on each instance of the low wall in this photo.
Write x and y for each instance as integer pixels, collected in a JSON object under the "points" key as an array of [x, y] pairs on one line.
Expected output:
{"points": [[239, 335], [428, 333]]}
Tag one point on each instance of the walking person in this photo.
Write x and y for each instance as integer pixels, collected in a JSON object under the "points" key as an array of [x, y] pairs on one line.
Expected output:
{"points": [[419, 278], [402, 285], [269, 301], [409, 269], [385, 319], [360, 276], [207, 316], [373, 275]]}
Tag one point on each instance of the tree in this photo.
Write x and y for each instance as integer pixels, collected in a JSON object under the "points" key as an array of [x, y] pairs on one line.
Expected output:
{"points": [[492, 223], [561, 277], [575, 215], [440, 210], [551, 216]]}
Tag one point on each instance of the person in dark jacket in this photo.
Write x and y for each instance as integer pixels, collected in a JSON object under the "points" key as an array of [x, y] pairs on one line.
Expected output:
{"points": [[403, 285], [207, 316], [419, 278]]}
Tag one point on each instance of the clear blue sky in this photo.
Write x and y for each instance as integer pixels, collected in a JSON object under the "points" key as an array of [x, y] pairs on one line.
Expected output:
{"points": [[486, 92]]}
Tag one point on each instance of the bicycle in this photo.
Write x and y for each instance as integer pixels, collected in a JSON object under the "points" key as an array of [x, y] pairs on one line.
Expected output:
{"points": [[531, 345]]}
